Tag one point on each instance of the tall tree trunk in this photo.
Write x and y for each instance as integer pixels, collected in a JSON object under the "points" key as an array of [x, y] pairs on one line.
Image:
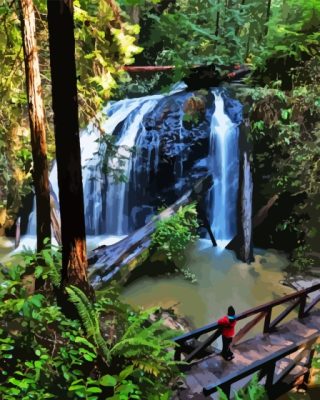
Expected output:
{"points": [[217, 20], [237, 31], [66, 127], [37, 122], [267, 17]]}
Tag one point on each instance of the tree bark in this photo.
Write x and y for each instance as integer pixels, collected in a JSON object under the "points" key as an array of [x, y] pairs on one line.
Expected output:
{"points": [[37, 122], [66, 127], [262, 214], [267, 17], [217, 21]]}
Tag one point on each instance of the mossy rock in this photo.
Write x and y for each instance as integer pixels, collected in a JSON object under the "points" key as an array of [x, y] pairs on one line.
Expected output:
{"points": [[194, 109]]}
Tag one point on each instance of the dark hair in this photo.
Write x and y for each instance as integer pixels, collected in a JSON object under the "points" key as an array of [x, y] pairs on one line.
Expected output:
{"points": [[231, 311]]}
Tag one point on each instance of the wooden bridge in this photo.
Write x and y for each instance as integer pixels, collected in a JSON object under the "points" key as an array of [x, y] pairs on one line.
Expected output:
{"points": [[281, 355]]}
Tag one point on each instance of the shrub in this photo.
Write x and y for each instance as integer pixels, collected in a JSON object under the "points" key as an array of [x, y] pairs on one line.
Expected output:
{"points": [[114, 352], [175, 233], [253, 391]]}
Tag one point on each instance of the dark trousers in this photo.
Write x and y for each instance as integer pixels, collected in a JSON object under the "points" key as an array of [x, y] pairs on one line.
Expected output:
{"points": [[226, 342]]}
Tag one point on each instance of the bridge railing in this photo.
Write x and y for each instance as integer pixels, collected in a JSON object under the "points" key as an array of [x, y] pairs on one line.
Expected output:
{"points": [[298, 299], [267, 368]]}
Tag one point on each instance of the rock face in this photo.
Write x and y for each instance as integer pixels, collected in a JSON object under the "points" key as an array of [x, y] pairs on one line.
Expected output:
{"points": [[170, 155], [165, 146]]}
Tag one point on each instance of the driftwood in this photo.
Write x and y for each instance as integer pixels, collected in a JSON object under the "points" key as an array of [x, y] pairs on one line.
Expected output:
{"points": [[262, 214], [107, 261], [18, 233], [258, 218]]}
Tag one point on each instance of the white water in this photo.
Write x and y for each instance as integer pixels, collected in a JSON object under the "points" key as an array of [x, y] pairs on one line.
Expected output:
{"points": [[105, 199], [225, 166], [117, 213]]}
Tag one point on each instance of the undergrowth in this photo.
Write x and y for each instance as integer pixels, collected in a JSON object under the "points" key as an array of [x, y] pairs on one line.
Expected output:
{"points": [[114, 352], [173, 234]]}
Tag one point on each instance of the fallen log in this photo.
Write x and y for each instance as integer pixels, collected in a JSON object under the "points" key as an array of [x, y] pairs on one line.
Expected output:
{"points": [[122, 257], [262, 214], [258, 218], [199, 76], [18, 233]]}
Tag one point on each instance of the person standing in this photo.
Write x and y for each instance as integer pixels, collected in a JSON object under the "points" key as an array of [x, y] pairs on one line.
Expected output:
{"points": [[227, 323]]}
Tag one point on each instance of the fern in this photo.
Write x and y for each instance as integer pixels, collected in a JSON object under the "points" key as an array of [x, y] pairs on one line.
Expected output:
{"points": [[90, 319]]}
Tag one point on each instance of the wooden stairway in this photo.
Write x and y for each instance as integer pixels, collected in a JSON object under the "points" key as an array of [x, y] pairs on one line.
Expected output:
{"points": [[280, 355]]}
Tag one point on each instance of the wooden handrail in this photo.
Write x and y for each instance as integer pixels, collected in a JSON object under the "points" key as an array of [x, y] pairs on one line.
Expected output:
{"points": [[265, 364], [248, 327], [265, 310]]}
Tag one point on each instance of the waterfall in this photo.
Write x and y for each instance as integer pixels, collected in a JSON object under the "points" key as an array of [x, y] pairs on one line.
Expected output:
{"points": [[158, 157], [224, 162], [105, 199], [117, 212]]}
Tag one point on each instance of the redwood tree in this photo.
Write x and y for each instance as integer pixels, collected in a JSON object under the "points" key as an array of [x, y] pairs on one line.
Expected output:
{"points": [[37, 121], [66, 127]]}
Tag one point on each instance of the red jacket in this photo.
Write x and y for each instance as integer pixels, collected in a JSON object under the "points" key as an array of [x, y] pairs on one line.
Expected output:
{"points": [[227, 326]]}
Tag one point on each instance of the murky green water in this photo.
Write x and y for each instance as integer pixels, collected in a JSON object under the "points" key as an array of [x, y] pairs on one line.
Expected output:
{"points": [[221, 280]]}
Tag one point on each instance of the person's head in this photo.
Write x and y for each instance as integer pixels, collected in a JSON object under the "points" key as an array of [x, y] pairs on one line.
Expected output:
{"points": [[231, 312]]}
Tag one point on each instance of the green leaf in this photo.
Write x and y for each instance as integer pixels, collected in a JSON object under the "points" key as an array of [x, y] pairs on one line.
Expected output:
{"points": [[94, 389], [76, 387], [108, 380]]}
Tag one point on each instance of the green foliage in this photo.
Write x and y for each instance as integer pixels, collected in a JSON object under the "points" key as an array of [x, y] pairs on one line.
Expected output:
{"points": [[172, 235], [189, 34], [105, 41], [114, 352], [45, 264], [90, 319], [293, 30], [253, 391], [285, 133]]}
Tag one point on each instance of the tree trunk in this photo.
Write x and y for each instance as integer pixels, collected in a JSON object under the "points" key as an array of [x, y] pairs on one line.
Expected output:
{"points": [[134, 12], [37, 122], [66, 127], [217, 21], [267, 16]]}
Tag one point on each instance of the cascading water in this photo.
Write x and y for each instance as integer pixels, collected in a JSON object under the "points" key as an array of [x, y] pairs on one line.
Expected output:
{"points": [[168, 157], [105, 199], [225, 168], [117, 214]]}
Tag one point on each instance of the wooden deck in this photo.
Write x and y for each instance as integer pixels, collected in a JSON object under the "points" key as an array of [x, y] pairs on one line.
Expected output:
{"points": [[213, 369], [280, 355]]}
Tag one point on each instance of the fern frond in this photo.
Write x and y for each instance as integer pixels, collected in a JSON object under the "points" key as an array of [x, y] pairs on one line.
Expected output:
{"points": [[89, 318], [148, 366], [141, 343]]}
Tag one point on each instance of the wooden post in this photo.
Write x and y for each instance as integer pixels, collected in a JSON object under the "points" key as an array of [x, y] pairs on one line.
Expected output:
{"points": [[270, 375], [177, 353], [306, 376], [226, 390], [302, 306], [266, 327]]}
